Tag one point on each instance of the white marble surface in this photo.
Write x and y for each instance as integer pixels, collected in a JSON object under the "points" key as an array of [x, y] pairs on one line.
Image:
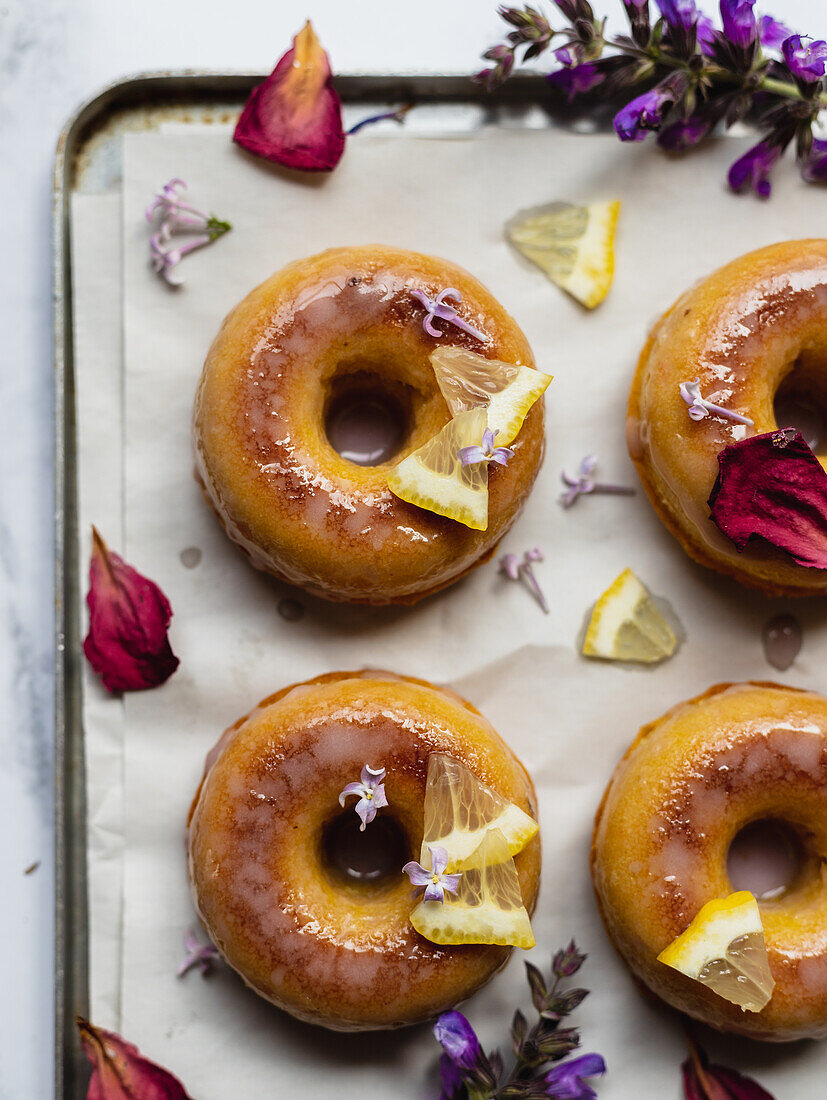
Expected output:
{"points": [[53, 54]]}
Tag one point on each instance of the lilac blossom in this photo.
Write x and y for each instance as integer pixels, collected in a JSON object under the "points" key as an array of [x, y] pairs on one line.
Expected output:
{"points": [[772, 32], [699, 408], [806, 57], [437, 308], [165, 259], [814, 168], [739, 23], [515, 570], [371, 793], [198, 954], [584, 483], [644, 113], [435, 881], [752, 170], [565, 1081], [485, 451]]}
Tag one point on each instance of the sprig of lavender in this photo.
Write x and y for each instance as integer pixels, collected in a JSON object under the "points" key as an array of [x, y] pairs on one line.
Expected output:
{"points": [[538, 1069], [682, 77]]}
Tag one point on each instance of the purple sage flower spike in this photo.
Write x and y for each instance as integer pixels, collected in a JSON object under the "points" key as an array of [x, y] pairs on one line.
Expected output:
{"points": [[370, 790], [439, 309], [699, 408], [435, 881], [566, 1079], [198, 954], [486, 451]]}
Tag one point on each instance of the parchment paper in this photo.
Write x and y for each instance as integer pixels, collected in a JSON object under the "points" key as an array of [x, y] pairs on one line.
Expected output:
{"points": [[567, 718]]}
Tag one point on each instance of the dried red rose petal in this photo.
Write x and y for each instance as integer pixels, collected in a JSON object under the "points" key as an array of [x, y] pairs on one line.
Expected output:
{"points": [[702, 1081], [127, 644], [295, 117], [120, 1071], [772, 486]]}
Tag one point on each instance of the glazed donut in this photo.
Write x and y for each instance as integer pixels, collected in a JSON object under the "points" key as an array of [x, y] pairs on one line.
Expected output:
{"points": [[688, 785], [324, 331], [266, 827], [755, 327]]}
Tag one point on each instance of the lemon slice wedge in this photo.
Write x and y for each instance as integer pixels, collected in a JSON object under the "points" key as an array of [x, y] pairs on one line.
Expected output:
{"points": [[434, 478], [724, 949], [574, 245], [459, 811], [487, 907], [506, 390], [626, 625]]}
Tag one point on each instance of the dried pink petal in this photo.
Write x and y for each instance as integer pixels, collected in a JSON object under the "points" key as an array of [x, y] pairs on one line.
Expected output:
{"points": [[120, 1071], [127, 644], [295, 118], [702, 1081], [772, 486]]}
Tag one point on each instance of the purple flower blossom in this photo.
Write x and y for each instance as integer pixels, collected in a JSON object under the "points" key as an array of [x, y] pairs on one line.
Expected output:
{"points": [[436, 307], [806, 57], [453, 1086], [645, 112], [679, 14], [485, 451], [165, 259], [435, 881], [574, 79], [752, 170], [565, 1081], [772, 33], [371, 793], [684, 133], [177, 216], [458, 1039], [584, 483], [198, 954], [814, 168], [706, 34], [699, 408], [510, 566], [739, 23]]}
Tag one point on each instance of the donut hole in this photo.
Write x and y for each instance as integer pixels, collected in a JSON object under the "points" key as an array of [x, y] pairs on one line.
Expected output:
{"points": [[370, 859], [767, 857], [367, 416], [801, 401]]}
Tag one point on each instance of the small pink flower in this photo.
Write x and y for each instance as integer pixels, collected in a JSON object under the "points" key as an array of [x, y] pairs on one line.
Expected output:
{"points": [[295, 118], [127, 644], [120, 1071], [435, 881], [370, 792], [516, 570], [700, 408]]}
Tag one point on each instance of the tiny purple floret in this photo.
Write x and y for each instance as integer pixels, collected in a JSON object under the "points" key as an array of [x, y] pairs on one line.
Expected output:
{"points": [[752, 170], [679, 14], [198, 954], [458, 1039], [370, 791], [515, 570], [772, 32], [573, 80], [814, 168], [584, 483], [437, 308], [435, 881], [644, 113], [485, 451], [700, 408]]}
